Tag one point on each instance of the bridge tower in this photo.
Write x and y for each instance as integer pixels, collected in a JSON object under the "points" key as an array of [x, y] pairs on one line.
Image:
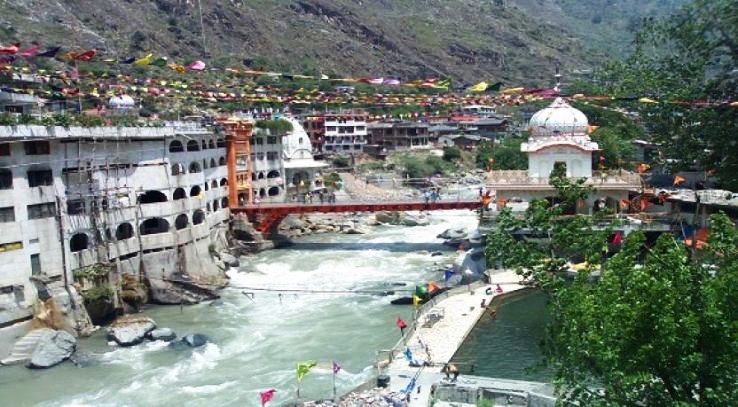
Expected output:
{"points": [[238, 152]]}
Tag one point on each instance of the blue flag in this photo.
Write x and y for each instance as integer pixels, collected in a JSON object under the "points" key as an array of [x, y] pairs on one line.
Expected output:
{"points": [[408, 354], [447, 275]]}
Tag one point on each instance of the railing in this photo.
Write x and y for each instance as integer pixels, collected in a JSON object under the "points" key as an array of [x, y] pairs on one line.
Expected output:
{"points": [[517, 177]]}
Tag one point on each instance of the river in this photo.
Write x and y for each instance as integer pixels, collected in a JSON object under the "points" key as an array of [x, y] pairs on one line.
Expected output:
{"points": [[257, 342]]}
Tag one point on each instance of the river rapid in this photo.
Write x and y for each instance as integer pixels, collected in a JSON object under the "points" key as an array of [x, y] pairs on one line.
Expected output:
{"points": [[258, 341]]}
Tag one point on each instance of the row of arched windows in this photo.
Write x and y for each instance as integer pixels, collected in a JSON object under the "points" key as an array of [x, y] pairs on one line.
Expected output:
{"points": [[176, 146], [154, 196], [81, 241], [195, 166]]}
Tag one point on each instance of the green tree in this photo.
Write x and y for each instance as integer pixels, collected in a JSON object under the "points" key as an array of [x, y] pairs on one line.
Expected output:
{"points": [[506, 155], [658, 328], [688, 57], [451, 153]]}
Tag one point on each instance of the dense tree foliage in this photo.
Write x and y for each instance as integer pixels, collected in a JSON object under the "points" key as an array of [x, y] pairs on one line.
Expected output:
{"points": [[505, 156], [679, 62], [659, 327]]}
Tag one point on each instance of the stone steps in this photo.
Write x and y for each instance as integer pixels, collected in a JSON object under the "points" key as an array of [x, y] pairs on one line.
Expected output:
{"points": [[24, 347]]}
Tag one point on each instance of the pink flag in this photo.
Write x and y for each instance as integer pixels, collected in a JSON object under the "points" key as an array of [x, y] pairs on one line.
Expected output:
{"points": [[266, 396], [196, 66], [10, 49], [30, 52]]}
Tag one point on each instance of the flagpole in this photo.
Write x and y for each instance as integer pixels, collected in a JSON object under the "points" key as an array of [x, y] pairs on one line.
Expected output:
{"points": [[334, 384]]}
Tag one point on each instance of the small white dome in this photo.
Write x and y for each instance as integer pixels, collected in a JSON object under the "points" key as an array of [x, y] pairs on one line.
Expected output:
{"points": [[121, 102], [558, 119]]}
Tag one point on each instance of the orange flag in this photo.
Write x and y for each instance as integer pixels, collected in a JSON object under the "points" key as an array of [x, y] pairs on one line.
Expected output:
{"points": [[679, 180]]}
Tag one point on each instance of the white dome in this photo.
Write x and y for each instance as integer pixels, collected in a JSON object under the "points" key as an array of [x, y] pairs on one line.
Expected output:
{"points": [[121, 102], [558, 119]]}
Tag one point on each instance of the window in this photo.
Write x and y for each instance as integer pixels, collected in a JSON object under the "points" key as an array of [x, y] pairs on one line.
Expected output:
{"points": [[124, 231], [6, 179], [176, 147], [222, 161], [198, 217], [41, 211], [221, 143], [177, 169], [299, 140], [330, 128], [272, 140], [78, 242], [194, 168], [272, 155], [4, 149], [193, 146], [259, 141], [8, 247], [179, 193], [38, 147], [75, 207], [35, 264], [37, 178], [7, 214]]}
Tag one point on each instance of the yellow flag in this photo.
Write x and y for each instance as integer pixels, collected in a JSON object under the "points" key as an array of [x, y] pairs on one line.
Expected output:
{"points": [[144, 61], [416, 300], [512, 90], [647, 100], [480, 87]]}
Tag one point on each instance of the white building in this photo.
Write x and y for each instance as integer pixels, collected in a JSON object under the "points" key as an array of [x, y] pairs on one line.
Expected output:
{"points": [[559, 138], [302, 172], [345, 133], [267, 166], [146, 202]]}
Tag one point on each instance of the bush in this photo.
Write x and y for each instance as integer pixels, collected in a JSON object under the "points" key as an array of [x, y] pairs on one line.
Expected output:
{"points": [[341, 161], [451, 153], [276, 127]]}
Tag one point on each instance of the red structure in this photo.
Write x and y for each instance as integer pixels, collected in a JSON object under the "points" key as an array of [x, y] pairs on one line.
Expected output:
{"points": [[238, 150], [269, 216]]}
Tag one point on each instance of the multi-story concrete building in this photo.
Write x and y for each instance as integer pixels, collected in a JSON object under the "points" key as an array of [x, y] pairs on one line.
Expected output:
{"points": [[337, 133], [267, 166], [150, 203], [390, 136]]}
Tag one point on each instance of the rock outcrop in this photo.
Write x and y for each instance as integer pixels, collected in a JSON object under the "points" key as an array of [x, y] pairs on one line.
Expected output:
{"points": [[162, 334], [195, 340], [53, 348], [130, 330]]}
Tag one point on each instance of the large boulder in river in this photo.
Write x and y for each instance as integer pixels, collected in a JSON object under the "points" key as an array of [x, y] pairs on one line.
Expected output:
{"points": [[409, 220], [195, 340], [453, 234], [390, 218], [162, 334], [53, 348], [130, 330]]}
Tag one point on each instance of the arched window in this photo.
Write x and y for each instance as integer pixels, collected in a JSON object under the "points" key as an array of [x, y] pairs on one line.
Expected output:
{"points": [[195, 167], [211, 143], [224, 203], [152, 197], [198, 217], [204, 145], [222, 161], [262, 193], [207, 186], [215, 205], [207, 206], [177, 169], [193, 146], [273, 191], [204, 164], [153, 226], [214, 184], [273, 174], [223, 182], [181, 222], [195, 190], [78, 242], [220, 143], [176, 147], [179, 193], [124, 231], [213, 164], [261, 175]]}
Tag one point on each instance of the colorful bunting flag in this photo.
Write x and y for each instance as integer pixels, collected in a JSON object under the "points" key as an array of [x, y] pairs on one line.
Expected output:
{"points": [[479, 88], [400, 323], [10, 49], [29, 52], [144, 61], [336, 367], [49, 53], [196, 66], [416, 300]]}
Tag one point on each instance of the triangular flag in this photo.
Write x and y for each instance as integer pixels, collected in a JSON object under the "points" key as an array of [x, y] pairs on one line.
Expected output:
{"points": [[647, 100], [160, 62], [266, 396], [144, 61], [416, 300], [49, 53], [85, 56], [10, 49], [30, 52], [304, 367], [480, 87]]}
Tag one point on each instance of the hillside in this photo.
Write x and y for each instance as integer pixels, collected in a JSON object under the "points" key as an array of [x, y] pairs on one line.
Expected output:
{"points": [[516, 41]]}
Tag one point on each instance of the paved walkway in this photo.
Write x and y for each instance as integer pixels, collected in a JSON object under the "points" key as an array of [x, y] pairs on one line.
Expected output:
{"points": [[458, 313]]}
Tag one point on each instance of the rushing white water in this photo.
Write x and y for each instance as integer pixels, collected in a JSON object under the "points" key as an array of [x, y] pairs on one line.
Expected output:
{"points": [[257, 342]]}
